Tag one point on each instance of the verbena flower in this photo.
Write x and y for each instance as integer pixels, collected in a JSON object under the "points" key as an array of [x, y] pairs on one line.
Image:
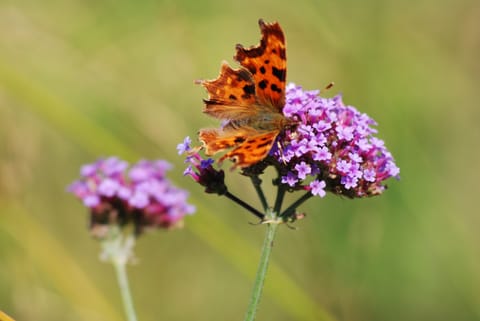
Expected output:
{"points": [[202, 170], [330, 143], [140, 195], [329, 147]]}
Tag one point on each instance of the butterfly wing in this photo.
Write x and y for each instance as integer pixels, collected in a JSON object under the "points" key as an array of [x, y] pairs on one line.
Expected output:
{"points": [[231, 95], [241, 96], [216, 140], [251, 151], [267, 62]]}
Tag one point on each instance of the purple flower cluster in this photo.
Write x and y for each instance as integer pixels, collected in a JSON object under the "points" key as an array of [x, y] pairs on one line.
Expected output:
{"points": [[329, 147], [141, 195], [332, 147], [202, 170]]}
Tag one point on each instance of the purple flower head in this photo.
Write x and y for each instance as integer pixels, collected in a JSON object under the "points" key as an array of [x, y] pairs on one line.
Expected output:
{"points": [[323, 146], [331, 143], [141, 195], [327, 142], [203, 172]]}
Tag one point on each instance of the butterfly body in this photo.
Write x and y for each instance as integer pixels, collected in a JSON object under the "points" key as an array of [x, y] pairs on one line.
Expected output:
{"points": [[248, 100], [264, 121]]}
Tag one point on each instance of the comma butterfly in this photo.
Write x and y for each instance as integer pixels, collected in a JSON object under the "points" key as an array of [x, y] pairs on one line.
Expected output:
{"points": [[249, 101]]}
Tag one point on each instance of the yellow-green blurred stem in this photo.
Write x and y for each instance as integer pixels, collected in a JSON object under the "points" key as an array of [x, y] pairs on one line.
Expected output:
{"points": [[262, 268]]}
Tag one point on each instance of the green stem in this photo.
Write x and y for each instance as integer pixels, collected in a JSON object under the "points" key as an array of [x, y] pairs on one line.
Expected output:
{"points": [[118, 250], [291, 209], [245, 205], [262, 267], [279, 200], [120, 269], [256, 181]]}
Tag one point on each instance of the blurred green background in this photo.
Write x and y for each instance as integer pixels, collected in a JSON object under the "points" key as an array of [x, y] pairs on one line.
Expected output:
{"points": [[83, 79]]}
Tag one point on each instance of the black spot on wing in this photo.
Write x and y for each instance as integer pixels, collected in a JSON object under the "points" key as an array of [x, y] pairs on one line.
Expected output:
{"points": [[263, 84], [244, 75], [274, 87], [249, 89], [265, 144], [279, 73]]}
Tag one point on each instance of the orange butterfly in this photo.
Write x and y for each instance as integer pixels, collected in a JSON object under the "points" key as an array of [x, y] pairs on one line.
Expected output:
{"points": [[249, 100]]}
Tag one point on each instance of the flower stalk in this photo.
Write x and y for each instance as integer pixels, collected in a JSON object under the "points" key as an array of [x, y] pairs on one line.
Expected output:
{"points": [[245, 205], [256, 181], [292, 208], [327, 146], [267, 247], [118, 250], [122, 278]]}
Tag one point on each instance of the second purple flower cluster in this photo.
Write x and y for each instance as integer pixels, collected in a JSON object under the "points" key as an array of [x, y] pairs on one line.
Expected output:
{"points": [[141, 194]]}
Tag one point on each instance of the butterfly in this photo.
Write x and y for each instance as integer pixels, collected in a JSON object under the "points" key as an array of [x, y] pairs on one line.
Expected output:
{"points": [[248, 100]]}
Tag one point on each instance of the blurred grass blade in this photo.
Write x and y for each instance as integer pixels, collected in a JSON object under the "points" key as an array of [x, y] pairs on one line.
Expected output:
{"points": [[62, 116], [5, 317]]}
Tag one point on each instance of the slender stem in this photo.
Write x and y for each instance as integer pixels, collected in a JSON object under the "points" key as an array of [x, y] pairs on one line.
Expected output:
{"points": [[291, 209], [120, 269], [118, 250], [279, 200], [262, 268], [248, 207], [256, 181]]}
